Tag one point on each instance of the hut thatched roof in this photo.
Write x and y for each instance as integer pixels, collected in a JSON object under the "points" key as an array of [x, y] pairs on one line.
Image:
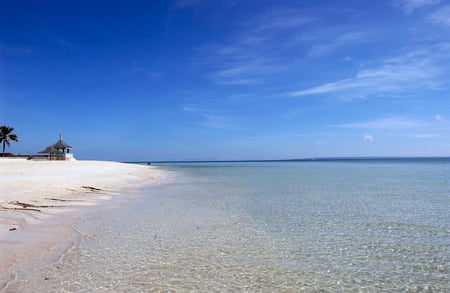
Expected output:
{"points": [[61, 145], [48, 150], [57, 147]]}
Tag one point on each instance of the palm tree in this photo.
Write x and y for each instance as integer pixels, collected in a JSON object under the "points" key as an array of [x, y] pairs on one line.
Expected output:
{"points": [[6, 136]]}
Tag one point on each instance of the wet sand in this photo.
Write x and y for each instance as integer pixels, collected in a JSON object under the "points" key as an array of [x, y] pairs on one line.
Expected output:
{"points": [[39, 201]]}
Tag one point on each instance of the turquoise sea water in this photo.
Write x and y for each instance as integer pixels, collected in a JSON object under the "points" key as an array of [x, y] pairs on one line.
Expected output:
{"points": [[365, 225]]}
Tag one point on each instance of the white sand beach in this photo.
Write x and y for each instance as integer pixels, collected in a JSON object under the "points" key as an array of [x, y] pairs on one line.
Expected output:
{"points": [[34, 193]]}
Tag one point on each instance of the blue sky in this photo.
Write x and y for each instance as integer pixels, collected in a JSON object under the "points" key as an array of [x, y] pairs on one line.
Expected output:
{"points": [[221, 80]]}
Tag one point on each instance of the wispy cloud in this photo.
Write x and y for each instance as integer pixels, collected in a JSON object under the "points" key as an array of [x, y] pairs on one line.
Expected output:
{"points": [[341, 41], [240, 74], [143, 71], [255, 51], [409, 6], [441, 16], [245, 72], [399, 126], [403, 74], [422, 135], [391, 123], [281, 19]]}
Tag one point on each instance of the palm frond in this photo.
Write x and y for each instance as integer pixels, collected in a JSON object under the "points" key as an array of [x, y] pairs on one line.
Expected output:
{"points": [[6, 136], [13, 137]]}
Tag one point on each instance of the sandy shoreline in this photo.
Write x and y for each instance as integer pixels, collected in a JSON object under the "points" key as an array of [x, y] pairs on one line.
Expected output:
{"points": [[37, 198]]}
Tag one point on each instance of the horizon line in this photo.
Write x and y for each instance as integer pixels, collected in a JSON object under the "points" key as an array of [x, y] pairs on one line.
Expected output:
{"points": [[333, 158]]}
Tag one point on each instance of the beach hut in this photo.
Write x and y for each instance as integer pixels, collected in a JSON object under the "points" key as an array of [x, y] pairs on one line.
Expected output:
{"points": [[59, 150], [61, 146]]}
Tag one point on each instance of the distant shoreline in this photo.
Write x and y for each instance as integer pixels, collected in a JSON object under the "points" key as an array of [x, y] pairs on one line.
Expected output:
{"points": [[319, 159]]}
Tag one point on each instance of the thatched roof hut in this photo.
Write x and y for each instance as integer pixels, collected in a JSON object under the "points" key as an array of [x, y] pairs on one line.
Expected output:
{"points": [[58, 147], [58, 150], [61, 145], [48, 150]]}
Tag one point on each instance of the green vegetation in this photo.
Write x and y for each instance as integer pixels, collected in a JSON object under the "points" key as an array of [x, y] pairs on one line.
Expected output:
{"points": [[6, 136]]}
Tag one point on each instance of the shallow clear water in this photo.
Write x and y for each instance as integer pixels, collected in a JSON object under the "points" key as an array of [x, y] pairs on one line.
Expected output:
{"points": [[280, 226]]}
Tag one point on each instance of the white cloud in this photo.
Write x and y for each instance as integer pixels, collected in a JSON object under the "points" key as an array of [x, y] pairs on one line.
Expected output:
{"points": [[368, 138], [441, 16], [421, 135], [439, 118], [331, 45], [410, 5], [389, 124], [248, 57], [245, 72], [281, 19], [234, 75], [398, 127], [143, 71], [404, 74], [326, 88]]}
